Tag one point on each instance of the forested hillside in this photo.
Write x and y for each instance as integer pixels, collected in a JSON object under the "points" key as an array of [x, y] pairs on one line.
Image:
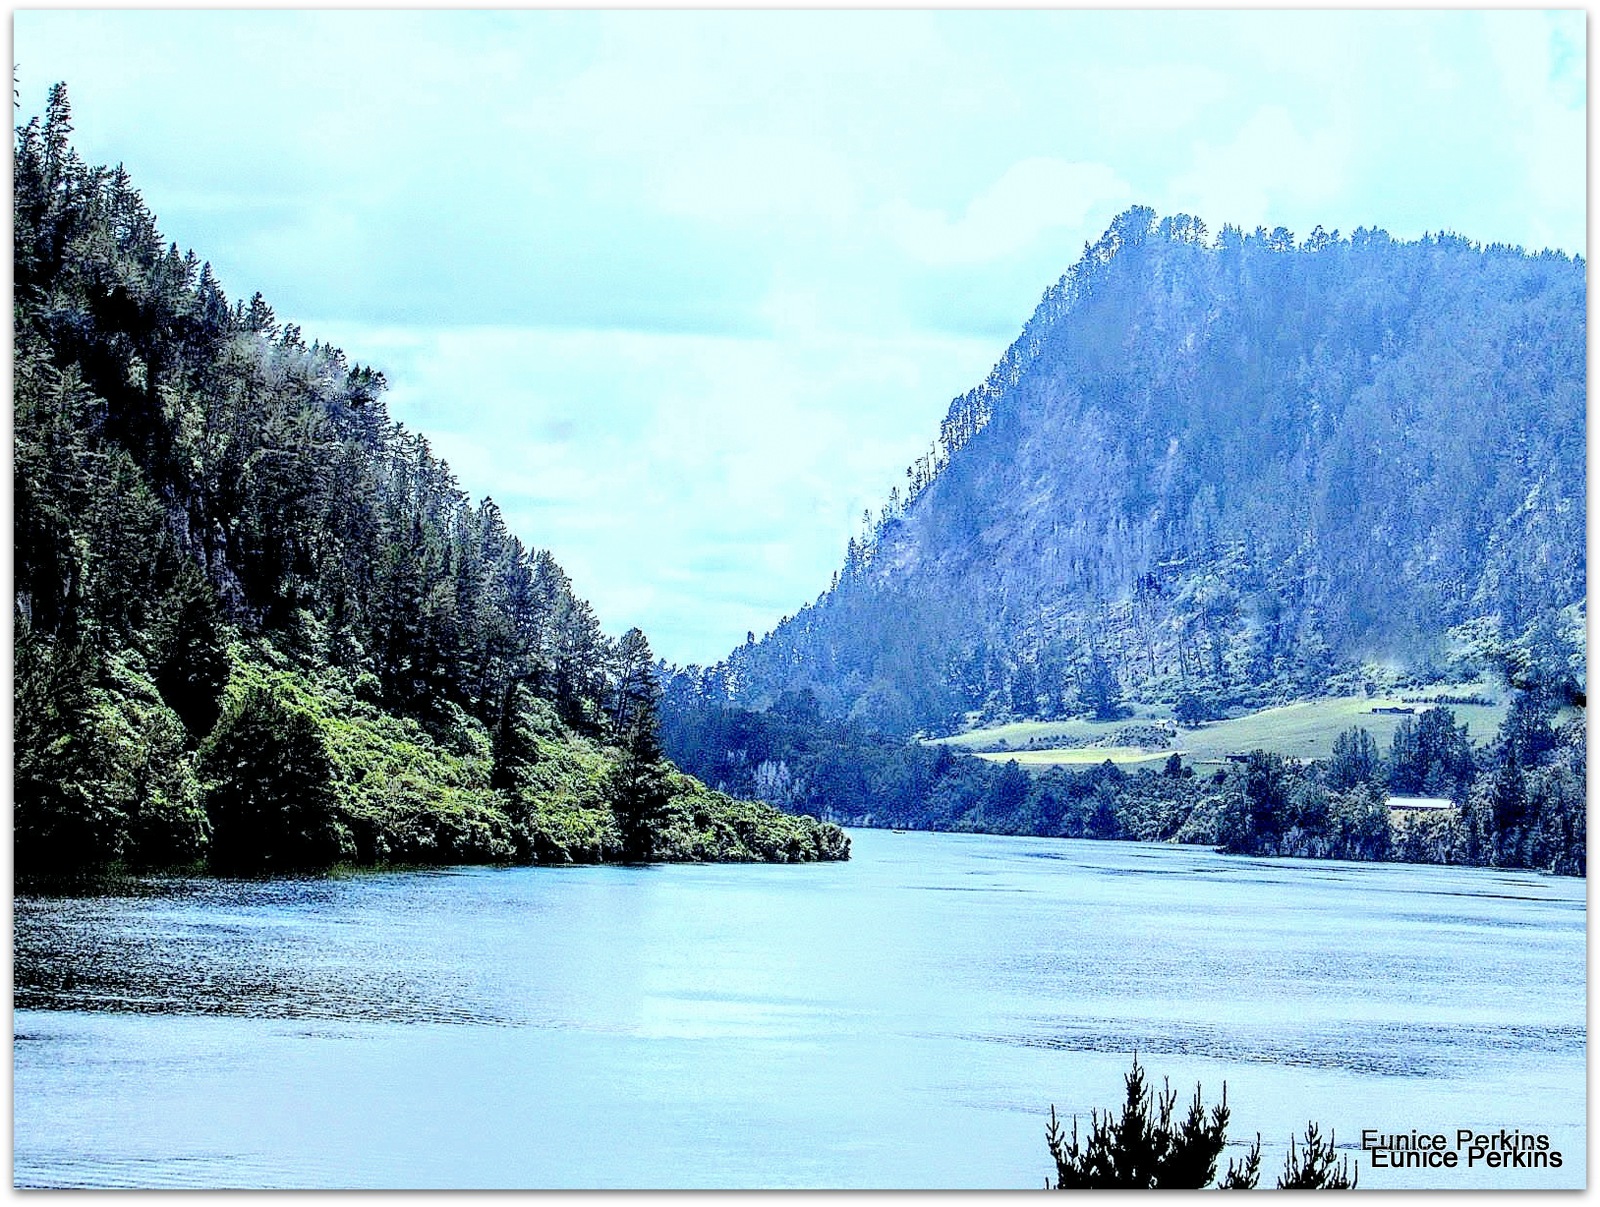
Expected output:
{"points": [[258, 623], [1220, 473]]}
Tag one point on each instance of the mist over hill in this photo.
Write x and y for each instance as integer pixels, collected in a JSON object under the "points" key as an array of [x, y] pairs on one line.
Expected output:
{"points": [[1222, 472]]}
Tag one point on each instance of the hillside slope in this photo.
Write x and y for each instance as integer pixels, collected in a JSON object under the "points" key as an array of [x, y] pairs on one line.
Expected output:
{"points": [[1225, 473], [259, 624]]}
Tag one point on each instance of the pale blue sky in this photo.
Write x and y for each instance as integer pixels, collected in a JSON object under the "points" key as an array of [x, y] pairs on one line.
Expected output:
{"points": [[687, 291]]}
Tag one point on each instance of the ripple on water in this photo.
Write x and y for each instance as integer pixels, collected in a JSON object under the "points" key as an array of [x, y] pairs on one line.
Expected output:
{"points": [[1387, 1050], [172, 1171], [849, 1024]]}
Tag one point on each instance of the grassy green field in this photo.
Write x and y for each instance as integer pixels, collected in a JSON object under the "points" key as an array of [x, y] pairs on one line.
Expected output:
{"points": [[1075, 732], [1303, 730]]}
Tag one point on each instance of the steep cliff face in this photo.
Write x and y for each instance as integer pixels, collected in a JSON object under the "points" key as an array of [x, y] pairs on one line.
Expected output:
{"points": [[1230, 469]]}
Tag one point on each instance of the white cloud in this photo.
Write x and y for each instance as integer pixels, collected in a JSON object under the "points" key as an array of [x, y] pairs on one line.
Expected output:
{"points": [[754, 180], [1543, 100], [696, 485], [539, 221], [1267, 171], [1033, 196]]}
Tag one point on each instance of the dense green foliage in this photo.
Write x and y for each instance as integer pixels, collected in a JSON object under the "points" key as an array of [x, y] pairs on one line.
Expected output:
{"points": [[1146, 1147], [258, 623], [1217, 473], [1518, 801]]}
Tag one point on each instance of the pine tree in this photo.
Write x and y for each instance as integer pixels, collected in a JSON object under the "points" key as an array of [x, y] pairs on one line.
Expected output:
{"points": [[639, 788], [1317, 1166], [1355, 761], [1100, 689], [191, 662], [271, 785], [1144, 1147]]}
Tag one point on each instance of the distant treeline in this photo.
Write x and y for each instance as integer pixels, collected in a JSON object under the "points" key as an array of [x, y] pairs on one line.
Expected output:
{"points": [[1518, 800], [259, 625]]}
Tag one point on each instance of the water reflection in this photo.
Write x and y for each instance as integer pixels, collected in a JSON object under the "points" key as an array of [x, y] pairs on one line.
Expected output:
{"points": [[900, 1020]]}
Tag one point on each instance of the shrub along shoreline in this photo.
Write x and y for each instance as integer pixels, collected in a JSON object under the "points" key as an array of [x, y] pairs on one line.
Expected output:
{"points": [[303, 772]]}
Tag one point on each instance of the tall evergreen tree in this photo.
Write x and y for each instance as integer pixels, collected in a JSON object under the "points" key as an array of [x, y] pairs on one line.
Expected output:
{"points": [[639, 784], [1355, 761]]}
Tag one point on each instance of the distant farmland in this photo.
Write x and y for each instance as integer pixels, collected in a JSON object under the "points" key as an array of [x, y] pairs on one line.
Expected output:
{"points": [[1303, 730]]}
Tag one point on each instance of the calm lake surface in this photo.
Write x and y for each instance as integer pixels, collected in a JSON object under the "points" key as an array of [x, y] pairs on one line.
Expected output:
{"points": [[904, 1019]]}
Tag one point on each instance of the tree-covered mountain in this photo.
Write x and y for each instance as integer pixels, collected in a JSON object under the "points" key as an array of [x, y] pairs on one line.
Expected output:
{"points": [[259, 623], [1215, 473]]}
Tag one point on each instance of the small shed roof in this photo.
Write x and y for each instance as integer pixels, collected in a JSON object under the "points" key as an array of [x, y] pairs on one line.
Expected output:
{"points": [[1421, 803]]}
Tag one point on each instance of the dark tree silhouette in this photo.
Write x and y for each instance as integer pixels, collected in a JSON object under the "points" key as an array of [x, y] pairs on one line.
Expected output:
{"points": [[1146, 1147], [1317, 1167]]}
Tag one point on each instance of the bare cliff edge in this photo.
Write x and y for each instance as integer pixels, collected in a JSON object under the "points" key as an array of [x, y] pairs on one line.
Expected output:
{"points": [[259, 626]]}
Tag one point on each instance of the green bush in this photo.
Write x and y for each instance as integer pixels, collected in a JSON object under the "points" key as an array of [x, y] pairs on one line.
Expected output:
{"points": [[101, 776], [700, 824], [270, 781], [303, 773]]}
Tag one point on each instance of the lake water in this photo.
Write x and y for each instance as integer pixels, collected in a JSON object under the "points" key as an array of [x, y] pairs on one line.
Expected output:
{"points": [[902, 1020]]}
